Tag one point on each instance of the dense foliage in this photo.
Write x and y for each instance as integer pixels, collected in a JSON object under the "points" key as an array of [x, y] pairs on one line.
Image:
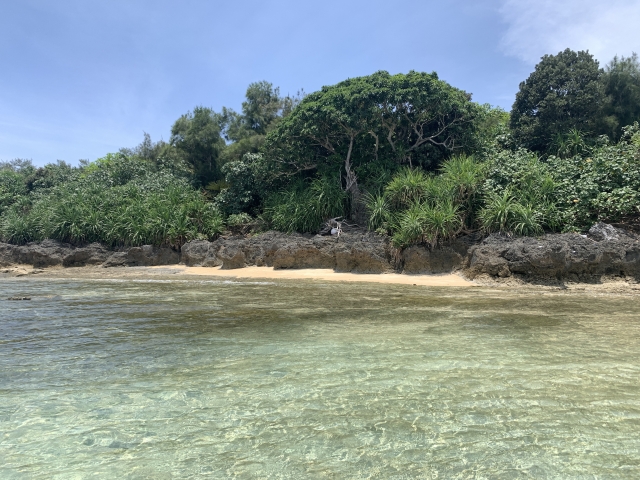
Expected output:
{"points": [[622, 87], [563, 93], [603, 184], [367, 125], [417, 207], [117, 200], [405, 155]]}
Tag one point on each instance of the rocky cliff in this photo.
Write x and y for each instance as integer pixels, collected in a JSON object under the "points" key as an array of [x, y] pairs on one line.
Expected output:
{"points": [[605, 251], [51, 253]]}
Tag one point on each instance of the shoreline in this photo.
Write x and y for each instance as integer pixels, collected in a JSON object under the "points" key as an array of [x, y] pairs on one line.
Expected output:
{"points": [[251, 272], [606, 287]]}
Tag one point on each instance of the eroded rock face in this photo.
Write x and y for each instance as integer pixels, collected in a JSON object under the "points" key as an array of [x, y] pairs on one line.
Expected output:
{"points": [[560, 256], [145, 256], [604, 251], [51, 253], [353, 252], [200, 253], [419, 259]]}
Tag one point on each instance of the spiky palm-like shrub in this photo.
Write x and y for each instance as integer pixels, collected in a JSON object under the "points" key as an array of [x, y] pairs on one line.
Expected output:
{"points": [[426, 223], [464, 176], [408, 227], [378, 210], [527, 220], [441, 222], [503, 213], [497, 215], [121, 215], [407, 187]]}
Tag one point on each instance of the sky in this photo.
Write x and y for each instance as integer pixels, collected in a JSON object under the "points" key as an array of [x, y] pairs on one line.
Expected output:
{"points": [[79, 79]]}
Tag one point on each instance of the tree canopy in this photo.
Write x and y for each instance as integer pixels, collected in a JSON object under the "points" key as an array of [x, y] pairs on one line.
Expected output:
{"points": [[564, 92], [197, 136], [408, 155], [622, 87], [261, 112], [362, 124]]}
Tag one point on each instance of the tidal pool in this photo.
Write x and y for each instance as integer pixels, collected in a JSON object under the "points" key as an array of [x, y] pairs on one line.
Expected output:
{"points": [[155, 379]]}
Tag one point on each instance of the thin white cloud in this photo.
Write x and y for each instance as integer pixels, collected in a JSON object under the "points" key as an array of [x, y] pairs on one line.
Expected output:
{"points": [[539, 27]]}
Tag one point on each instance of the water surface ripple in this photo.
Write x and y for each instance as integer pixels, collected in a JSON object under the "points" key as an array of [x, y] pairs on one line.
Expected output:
{"points": [[212, 379]]}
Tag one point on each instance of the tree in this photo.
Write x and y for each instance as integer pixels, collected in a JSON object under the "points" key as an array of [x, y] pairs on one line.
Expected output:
{"points": [[378, 120], [147, 149], [244, 182], [622, 87], [261, 112], [564, 92], [197, 136]]}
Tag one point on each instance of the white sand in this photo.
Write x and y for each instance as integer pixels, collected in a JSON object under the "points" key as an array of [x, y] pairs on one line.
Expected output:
{"points": [[445, 280]]}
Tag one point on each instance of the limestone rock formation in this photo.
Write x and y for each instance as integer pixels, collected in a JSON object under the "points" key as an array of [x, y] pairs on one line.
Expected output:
{"points": [[604, 251]]}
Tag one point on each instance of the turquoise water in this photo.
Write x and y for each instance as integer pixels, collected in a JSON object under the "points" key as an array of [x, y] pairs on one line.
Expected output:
{"points": [[207, 379]]}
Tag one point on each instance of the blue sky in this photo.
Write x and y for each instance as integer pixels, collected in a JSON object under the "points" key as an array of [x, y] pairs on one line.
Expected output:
{"points": [[82, 78]]}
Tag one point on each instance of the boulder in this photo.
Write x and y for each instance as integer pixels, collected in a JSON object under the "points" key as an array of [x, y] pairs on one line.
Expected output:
{"points": [[557, 256], [194, 253], [145, 256], [420, 259], [603, 232], [232, 256], [92, 254]]}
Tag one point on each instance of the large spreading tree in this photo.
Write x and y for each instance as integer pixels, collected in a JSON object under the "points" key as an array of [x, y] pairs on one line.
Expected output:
{"points": [[564, 93], [377, 122]]}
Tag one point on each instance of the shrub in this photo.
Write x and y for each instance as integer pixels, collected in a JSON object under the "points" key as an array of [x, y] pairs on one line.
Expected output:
{"points": [[114, 207], [377, 207], [407, 187], [426, 223], [519, 195], [463, 176], [303, 207], [239, 219], [604, 186], [441, 222], [240, 192]]}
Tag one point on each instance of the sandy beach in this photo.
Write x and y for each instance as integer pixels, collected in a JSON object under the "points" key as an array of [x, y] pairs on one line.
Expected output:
{"points": [[608, 286], [252, 272], [445, 280]]}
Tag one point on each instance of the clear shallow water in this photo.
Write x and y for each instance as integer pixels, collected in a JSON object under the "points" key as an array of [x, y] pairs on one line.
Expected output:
{"points": [[208, 379]]}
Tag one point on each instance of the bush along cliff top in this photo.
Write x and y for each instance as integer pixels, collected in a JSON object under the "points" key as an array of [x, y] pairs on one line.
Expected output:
{"points": [[405, 155]]}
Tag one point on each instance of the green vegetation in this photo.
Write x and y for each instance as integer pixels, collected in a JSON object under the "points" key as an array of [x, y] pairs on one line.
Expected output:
{"points": [[117, 200], [405, 155]]}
